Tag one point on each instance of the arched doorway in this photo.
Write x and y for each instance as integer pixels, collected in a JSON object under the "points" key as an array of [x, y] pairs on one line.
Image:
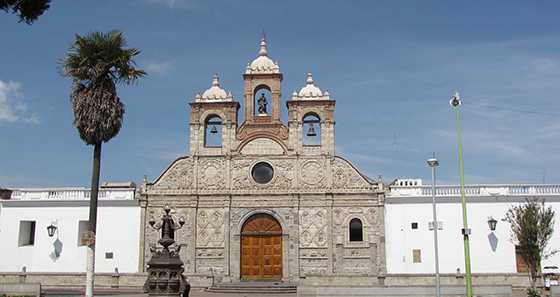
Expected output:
{"points": [[261, 248]]}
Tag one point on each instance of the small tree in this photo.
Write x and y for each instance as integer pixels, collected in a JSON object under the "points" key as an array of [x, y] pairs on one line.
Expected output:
{"points": [[532, 225]]}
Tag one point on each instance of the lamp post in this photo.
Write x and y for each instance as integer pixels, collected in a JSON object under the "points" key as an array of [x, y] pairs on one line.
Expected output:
{"points": [[165, 267], [434, 163], [455, 102]]}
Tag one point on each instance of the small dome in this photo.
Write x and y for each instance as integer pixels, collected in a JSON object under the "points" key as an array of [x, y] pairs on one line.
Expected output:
{"points": [[310, 90], [262, 64], [214, 93]]}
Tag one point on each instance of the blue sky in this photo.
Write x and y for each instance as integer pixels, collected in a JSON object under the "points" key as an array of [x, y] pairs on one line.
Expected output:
{"points": [[391, 66]]}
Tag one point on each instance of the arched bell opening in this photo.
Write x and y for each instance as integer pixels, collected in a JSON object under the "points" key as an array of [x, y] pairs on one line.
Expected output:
{"points": [[213, 132], [263, 101], [311, 130], [261, 248]]}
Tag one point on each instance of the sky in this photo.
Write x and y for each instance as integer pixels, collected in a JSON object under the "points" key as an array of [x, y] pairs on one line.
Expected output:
{"points": [[391, 66]]}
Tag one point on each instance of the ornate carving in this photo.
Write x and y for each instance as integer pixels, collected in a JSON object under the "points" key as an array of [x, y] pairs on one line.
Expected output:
{"points": [[212, 174], [202, 219], [210, 229], [338, 216], [373, 216], [313, 224], [340, 178], [241, 174], [312, 173], [217, 219]]}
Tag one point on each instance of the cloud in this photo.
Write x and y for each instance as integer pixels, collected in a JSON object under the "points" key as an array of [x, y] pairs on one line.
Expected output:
{"points": [[9, 108], [171, 3], [158, 68], [12, 110]]}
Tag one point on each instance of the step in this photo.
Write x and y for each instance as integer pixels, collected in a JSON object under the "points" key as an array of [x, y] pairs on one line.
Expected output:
{"points": [[254, 288]]}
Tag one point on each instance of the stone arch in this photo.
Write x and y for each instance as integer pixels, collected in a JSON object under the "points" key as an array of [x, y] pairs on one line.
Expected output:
{"points": [[213, 130], [262, 134], [251, 213], [365, 227], [262, 90]]}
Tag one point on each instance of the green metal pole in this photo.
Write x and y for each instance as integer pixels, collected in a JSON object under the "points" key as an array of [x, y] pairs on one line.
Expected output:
{"points": [[456, 101]]}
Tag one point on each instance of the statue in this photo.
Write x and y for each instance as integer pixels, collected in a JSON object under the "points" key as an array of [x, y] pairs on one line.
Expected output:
{"points": [[262, 104]]}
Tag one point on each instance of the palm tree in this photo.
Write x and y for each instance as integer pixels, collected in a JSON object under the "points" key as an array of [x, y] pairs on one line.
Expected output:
{"points": [[97, 62]]}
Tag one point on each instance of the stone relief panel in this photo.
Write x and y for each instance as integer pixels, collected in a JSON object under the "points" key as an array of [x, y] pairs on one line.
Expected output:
{"points": [[284, 174], [212, 174], [262, 146], [210, 228], [241, 174], [312, 226], [346, 176], [179, 176], [312, 174]]}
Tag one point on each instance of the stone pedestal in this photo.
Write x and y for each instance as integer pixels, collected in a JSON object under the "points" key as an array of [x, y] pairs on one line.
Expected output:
{"points": [[164, 274]]}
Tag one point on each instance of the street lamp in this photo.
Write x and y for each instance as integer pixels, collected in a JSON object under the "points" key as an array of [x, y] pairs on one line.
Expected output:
{"points": [[434, 163], [455, 102]]}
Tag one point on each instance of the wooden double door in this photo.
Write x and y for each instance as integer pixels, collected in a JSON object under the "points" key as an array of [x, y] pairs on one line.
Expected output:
{"points": [[261, 248]]}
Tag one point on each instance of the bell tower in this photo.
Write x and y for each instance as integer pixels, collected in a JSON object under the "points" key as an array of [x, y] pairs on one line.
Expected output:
{"points": [[262, 102], [213, 121]]}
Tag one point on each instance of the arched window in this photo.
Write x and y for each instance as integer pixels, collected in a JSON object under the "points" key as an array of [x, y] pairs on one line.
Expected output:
{"points": [[356, 230], [213, 132], [311, 130]]}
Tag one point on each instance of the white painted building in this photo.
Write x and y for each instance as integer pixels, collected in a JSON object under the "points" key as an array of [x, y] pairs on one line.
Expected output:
{"points": [[24, 241], [410, 240]]}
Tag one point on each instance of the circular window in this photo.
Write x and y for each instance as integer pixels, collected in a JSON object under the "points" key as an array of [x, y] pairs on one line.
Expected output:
{"points": [[262, 173]]}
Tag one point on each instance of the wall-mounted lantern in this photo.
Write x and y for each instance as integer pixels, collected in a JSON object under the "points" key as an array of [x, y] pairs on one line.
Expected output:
{"points": [[492, 224], [51, 229]]}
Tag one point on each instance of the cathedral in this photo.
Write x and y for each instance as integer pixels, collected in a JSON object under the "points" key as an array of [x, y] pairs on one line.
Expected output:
{"points": [[268, 200]]}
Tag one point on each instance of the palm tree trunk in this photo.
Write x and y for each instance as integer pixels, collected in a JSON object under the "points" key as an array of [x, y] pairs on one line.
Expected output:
{"points": [[92, 225]]}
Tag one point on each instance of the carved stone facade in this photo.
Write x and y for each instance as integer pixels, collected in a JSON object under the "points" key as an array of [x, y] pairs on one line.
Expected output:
{"points": [[330, 214]]}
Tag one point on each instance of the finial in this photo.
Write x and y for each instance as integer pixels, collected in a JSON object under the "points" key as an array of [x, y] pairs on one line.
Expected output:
{"points": [[216, 82], [263, 48], [263, 34], [309, 78]]}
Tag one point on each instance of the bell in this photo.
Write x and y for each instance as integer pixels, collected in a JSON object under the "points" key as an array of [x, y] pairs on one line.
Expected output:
{"points": [[214, 130], [311, 131]]}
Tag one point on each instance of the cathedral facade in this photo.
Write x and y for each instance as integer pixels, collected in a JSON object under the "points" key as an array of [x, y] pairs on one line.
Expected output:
{"points": [[266, 200]]}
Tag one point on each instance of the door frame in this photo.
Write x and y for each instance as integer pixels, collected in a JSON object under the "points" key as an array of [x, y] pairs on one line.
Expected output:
{"points": [[238, 237]]}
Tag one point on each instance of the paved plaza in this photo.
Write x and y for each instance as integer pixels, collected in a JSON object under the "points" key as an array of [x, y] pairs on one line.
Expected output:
{"points": [[193, 293], [136, 293]]}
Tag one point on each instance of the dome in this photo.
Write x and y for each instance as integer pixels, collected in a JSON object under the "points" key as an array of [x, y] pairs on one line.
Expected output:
{"points": [[263, 64], [310, 90], [215, 93]]}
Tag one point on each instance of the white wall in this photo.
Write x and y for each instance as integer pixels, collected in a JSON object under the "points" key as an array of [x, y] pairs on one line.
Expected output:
{"points": [[491, 252], [117, 228]]}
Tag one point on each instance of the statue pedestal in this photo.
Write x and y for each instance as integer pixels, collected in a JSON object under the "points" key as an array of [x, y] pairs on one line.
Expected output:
{"points": [[164, 274]]}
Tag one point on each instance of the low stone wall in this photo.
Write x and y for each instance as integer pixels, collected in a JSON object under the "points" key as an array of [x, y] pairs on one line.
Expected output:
{"points": [[516, 280], [102, 280], [21, 289], [402, 291]]}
